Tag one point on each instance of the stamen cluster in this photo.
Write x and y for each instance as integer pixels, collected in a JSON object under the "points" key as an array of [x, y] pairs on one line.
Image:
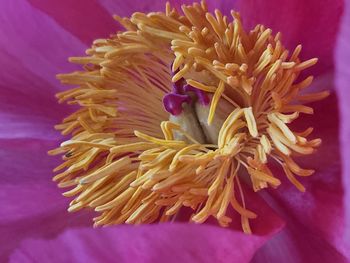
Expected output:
{"points": [[132, 162]]}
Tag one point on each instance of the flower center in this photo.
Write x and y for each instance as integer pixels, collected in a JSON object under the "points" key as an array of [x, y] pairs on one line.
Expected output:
{"points": [[189, 107], [232, 99]]}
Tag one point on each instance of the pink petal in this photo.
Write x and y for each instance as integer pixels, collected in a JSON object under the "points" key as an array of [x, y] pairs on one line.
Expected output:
{"points": [[315, 219], [34, 43], [312, 23], [87, 20], [297, 244], [33, 49], [147, 243], [343, 85], [127, 8], [31, 205], [26, 179], [47, 225], [28, 108]]}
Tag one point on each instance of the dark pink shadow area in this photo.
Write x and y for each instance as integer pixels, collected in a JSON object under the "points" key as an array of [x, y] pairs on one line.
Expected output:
{"points": [[315, 219]]}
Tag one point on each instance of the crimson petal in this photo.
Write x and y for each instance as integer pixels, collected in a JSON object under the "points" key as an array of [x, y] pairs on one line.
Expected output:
{"points": [[312, 23]]}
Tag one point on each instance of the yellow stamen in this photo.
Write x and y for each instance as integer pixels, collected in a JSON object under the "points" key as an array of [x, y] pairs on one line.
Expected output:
{"points": [[249, 116], [130, 161], [284, 128], [215, 101]]}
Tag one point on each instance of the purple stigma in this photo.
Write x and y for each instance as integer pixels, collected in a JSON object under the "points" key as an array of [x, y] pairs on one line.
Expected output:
{"points": [[180, 94], [173, 102], [202, 96], [178, 87]]}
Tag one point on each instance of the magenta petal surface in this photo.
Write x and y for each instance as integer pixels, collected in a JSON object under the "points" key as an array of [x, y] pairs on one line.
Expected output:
{"points": [[343, 89], [126, 8], [26, 172], [147, 243], [47, 225], [30, 203], [33, 49], [36, 42], [28, 108], [87, 20], [314, 219], [312, 23], [297, 244]]}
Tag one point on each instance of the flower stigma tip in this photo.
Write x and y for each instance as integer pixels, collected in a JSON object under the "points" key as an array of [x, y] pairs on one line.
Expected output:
{"points": [[183, 110], [183, 93]]}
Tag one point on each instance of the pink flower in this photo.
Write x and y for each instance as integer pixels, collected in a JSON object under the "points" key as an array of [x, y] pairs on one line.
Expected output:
{"points": [[37, 36]]}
